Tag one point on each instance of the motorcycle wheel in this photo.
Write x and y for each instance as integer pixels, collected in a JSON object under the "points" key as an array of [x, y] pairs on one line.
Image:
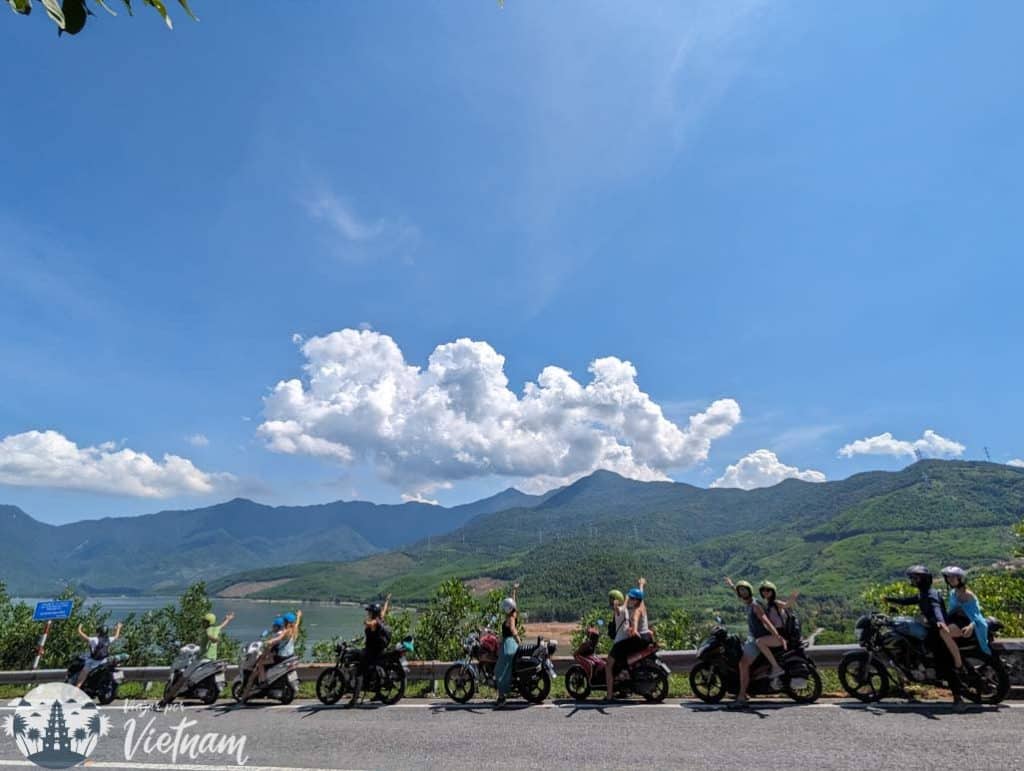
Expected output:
{"points": [[659, 690], [210, 691], [537, 690], [810, 693], [459, 683], [287, 694], [707, 682], [989, 682], [863, 678], [577, 684], [107, 691], [392, 688], [330, 686]]}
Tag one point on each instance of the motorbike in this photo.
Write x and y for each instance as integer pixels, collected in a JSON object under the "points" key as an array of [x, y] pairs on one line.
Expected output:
{"points": [[717, 670], [102, 682], [193, 677], [894, 654], [532, 670], [386, 681], [280, 681], [643, 673]]}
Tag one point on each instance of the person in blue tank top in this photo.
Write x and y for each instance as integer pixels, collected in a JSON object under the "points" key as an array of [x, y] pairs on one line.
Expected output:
{"points": [[962, 601]]}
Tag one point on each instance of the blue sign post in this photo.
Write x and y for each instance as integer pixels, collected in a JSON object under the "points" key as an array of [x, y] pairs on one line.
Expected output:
{"points": [[53, 610], [49, 611]]}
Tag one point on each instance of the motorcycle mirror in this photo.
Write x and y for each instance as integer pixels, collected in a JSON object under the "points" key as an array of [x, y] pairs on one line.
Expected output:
{"points": [[600, 622], [494, 619], [718, 619]]}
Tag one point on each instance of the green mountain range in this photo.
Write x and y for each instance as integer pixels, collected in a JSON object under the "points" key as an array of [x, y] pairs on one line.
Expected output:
{"points": [[165, 551], [567, 549]]}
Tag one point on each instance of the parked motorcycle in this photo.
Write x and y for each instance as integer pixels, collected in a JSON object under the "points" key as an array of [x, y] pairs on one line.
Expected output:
{"points": [[643, 673], [102, 682], [895, 654], [717, 670], [193, 677], [532, 670], [386, 681], [280, 681]]}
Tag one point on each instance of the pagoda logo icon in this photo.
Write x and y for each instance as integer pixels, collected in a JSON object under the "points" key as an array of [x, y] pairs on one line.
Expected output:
{"points": [[56, 725]]}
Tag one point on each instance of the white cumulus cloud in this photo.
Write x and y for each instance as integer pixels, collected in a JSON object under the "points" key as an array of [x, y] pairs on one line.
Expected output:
{"points": [[455, 419], [197, 440], [762, 468], [930, 445], [1019, 463], [49, 459]]}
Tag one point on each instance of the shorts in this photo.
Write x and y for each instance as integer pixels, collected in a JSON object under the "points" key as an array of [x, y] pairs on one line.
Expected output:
{"points": [[750, 649]]}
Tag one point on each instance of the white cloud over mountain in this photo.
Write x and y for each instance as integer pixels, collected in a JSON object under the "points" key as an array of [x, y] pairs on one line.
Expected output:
{"points": [[931, 445], [762, 468], [1018, 462], [457, 418], [49, 459]]}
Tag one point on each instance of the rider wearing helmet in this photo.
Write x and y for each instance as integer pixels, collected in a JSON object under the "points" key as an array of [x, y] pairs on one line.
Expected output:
{"points": [[964, 603], [377, 635], [212, 634], [758, 626], [99, 649], [509, 645], [939, 640], [631, 631]]}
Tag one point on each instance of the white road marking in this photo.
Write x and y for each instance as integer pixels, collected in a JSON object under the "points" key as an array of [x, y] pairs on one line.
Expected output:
{"points": [[181, 766]]}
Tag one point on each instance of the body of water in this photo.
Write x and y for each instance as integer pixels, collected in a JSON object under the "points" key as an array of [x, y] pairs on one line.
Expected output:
{"points": [[322, 621]]}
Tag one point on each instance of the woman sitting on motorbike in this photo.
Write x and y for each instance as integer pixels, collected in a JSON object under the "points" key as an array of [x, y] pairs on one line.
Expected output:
{"points": [[509, 645], [99, 649], [377, 635], [777, 610], [962, 601], [631, 631], [212, 634], [758, 626]]}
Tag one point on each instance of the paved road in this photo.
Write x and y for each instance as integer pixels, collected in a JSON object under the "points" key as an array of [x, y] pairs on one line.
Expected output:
{"points": [[425, 734]]}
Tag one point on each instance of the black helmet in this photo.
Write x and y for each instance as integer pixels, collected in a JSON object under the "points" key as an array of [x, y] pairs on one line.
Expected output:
{"points": [[919, 576], [373, 609]]}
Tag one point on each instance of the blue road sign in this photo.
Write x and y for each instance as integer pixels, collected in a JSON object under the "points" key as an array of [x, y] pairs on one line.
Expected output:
{"points": [[53, 610]]}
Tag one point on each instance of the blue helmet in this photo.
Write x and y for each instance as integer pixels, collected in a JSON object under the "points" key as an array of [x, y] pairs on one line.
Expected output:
{"points": [[636, 594], [279, 622], [289, 617]]}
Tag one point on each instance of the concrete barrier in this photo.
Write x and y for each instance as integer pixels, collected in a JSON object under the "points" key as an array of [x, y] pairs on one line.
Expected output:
{"points": [[825, 656]]}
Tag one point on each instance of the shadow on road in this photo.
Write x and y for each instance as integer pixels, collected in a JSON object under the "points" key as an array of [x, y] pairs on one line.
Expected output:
{"points": [[929, 711]]}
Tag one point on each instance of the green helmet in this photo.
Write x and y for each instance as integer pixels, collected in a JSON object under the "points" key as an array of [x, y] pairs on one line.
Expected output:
{"points": [[745, 585], [766, 584], [615, 594], [210, 619]]}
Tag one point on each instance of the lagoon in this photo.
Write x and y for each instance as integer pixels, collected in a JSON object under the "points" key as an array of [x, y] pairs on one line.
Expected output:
{"points": [[322, 620]]}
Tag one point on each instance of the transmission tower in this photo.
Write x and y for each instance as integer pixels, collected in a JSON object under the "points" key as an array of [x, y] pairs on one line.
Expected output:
{"points": [[988, 457]]}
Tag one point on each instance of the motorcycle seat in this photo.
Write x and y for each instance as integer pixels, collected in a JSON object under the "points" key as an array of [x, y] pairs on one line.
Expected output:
{"points": [[640, 655]]}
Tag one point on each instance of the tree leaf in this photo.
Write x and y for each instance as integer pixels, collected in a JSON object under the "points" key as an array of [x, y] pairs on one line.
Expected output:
{"points": [[161, 9], [54, 12], [128, 5], [107, 8], [184, 4], [24, 7], [74, 16]]}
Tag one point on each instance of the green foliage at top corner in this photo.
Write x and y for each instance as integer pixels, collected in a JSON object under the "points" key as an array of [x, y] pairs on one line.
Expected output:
{"points": [[70, 16]]}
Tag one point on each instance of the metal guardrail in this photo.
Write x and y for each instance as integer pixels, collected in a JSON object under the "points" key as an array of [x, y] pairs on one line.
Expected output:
{"points": [[825, 656]]}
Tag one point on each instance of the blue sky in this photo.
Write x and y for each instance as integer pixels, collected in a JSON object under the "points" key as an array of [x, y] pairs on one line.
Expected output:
{"points": [[811, 210]]}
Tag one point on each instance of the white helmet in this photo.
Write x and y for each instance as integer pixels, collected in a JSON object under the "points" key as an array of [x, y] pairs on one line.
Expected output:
{"points": [[953, 570], [508, 605]]}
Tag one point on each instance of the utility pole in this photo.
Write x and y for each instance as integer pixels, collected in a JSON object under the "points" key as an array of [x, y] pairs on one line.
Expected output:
{"points": [[988, 457]]}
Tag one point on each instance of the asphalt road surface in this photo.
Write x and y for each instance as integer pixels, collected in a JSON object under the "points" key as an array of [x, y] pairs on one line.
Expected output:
{"points": [[833, 734]]}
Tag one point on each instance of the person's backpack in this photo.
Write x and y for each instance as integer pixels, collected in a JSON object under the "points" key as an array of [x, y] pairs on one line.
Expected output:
{"points": [[793, 630], [101, 650], [611, 628]]}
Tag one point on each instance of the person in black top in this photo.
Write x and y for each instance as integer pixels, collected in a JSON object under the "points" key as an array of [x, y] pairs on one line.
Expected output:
{"points": [[941, 643], [377, 635]]}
